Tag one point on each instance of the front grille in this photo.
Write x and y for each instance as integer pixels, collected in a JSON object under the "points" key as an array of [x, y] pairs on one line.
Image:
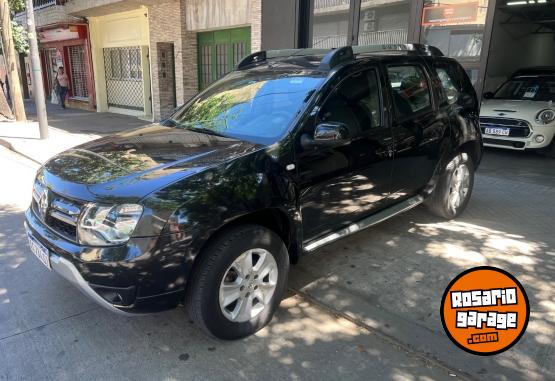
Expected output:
{"points": [[507, 143], [518, 128], [57, 212]]}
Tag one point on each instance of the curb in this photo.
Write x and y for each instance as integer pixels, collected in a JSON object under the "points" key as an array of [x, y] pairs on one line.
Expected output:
{"points": [[9, 146]]}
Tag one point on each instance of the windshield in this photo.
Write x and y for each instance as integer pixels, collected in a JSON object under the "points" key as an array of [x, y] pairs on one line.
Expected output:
{"points": [[251, 106], [528, 88]]}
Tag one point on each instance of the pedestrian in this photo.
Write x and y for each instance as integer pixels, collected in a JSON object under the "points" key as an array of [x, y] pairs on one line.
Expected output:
{"points": [[63, 81]]}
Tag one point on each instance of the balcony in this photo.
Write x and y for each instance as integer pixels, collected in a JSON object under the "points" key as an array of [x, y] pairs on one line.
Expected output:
{"points": [[39, 4]]}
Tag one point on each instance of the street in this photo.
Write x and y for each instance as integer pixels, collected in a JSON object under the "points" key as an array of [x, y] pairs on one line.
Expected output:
{"points": [[365, 307]]}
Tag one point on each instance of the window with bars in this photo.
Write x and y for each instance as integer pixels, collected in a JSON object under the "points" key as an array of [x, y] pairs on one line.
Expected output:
{"points": [[78, 73], [124, 64], [219, 52]]}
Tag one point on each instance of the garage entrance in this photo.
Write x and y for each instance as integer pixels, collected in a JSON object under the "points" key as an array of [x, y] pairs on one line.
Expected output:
{"points": [[523, 35]]}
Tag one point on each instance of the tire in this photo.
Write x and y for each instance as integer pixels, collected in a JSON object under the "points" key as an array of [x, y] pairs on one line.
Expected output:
{"points": [[223, 274], [442, 200]]}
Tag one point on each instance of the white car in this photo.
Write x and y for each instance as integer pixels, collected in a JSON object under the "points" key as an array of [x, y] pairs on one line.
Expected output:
{"points": [[520, 115]]}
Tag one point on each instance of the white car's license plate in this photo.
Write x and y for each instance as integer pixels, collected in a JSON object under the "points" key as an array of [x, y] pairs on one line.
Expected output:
{"points": [[498, 131], [40, 251]]}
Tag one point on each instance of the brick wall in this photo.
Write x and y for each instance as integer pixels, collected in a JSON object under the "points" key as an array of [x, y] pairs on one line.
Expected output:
{"points": [[165, 27], [256, 25], [46, 16]]}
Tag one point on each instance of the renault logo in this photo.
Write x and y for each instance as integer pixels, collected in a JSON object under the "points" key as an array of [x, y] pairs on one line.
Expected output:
{"points": [[43, 203]]}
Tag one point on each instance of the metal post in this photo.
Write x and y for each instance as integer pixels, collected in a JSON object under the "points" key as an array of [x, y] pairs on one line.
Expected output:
{"points": [[36, 71]]}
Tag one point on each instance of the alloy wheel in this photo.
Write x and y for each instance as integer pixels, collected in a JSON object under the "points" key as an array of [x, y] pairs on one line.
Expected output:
{"points": [[248, 285], [459, 186]]}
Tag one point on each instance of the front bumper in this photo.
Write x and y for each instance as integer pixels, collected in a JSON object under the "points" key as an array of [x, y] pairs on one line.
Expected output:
{"points": [[145, 275], [518, 144]]}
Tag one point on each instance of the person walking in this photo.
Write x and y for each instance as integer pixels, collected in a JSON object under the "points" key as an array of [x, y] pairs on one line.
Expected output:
{"points": [[63, 81]]}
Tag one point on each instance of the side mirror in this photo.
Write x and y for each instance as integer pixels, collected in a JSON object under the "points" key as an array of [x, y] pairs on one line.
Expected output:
{"points": [[488, 95], [327, 135]]}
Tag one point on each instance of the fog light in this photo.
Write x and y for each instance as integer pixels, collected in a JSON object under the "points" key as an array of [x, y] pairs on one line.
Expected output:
{"points": [[539, 139]]}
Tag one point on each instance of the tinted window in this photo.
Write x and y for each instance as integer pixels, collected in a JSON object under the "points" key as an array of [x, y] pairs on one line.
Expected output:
{"points": [[451, 89], [355, 102], [252, 106], [528, 88], [410, 90]]}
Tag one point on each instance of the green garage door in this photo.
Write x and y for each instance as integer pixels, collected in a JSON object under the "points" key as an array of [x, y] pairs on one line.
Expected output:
{"points": [[220, 51]]}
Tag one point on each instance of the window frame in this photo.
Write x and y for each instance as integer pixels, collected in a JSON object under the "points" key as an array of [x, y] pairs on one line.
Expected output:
{"points": [[431, 108], [331, 90], [444, 100]]}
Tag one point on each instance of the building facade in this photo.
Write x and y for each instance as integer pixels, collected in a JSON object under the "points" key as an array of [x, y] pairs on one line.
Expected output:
{"points": [[490, 38], [63, 42], [144, 57]]}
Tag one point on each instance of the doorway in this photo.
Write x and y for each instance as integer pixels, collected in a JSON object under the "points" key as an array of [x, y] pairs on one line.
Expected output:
{"points": [[220, 51]]}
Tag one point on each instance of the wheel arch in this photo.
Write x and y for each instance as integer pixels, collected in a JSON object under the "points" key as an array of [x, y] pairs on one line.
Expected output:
{"points": [[273, 218]]}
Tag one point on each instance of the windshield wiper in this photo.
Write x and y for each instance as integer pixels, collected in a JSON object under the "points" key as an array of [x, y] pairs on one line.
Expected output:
{"points": [[204, 130]]}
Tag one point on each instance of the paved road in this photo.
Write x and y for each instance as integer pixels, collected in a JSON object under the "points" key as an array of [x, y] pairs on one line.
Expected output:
{"points": [[362, 308]]}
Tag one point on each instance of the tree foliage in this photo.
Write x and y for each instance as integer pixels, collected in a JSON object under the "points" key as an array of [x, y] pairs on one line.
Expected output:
{"points": [[20, 38]]}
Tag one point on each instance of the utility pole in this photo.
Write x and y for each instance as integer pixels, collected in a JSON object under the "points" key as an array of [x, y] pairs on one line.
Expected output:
{"points": [[9, 53], [36, 71]]}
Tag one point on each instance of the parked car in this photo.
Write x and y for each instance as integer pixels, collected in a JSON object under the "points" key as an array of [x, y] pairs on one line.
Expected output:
{"points": [[289, 152], [520, 115]]}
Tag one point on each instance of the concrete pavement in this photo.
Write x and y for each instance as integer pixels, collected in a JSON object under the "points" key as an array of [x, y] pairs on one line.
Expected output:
{"points": [[366, 307], [50, 331], [68, 128]]}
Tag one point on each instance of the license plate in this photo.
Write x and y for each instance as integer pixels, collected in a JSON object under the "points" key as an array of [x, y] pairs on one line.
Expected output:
{"points": [[40, 251], [498, 131]]}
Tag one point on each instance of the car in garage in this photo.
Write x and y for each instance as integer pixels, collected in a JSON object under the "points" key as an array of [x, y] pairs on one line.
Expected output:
{"points": [[289, 152], [520, 114]]}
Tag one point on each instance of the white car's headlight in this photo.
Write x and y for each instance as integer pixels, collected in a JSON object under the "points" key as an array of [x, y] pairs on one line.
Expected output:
{"points": [[108, 225], [545, 116]]}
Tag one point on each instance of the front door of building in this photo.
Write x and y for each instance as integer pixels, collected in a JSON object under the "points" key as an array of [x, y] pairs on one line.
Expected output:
{"points": [[220, 51]]}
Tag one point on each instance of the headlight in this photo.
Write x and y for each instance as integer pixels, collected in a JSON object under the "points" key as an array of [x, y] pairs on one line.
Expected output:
{"points": [[108, 225], [545, 116]]}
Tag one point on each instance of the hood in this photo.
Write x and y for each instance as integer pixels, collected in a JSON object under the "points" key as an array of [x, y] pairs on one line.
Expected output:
{"points": [[513, 109], [132, 164]]}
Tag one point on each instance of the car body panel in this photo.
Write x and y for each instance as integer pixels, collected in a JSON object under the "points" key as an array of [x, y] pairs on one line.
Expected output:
{"points": [[194, 185], [526, 110]]}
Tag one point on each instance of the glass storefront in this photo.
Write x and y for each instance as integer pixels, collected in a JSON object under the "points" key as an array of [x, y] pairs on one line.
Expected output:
{"points": [[383, 22], [330, 28], [364, 22], [457, 28]]}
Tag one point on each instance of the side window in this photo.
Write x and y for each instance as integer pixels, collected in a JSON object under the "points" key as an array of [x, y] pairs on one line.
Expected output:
{"points": [[355, 102], [411, 93], [449, 84]]}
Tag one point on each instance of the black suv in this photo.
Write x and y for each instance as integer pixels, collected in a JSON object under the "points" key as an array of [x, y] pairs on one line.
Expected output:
{"points": [[291, 151]]}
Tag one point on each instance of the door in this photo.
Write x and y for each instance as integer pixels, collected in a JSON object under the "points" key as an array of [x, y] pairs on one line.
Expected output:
{"points": [[50, 69], [124, 78], [417, 128], [220, 51], [343, 184]]}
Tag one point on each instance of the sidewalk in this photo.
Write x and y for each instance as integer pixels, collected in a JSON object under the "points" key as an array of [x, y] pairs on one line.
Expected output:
{"points": [[68, 128]]}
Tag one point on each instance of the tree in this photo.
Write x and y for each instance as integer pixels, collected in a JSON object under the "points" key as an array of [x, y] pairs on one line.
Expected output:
{"points": [[7, 9]]}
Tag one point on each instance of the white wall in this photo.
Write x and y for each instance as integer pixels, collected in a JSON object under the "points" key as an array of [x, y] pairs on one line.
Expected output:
{"points": [[513, 46], [119, 30]]}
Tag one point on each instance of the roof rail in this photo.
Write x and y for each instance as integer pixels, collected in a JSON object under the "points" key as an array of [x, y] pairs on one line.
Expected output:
{"points": [[268, 54], [421, 49], [333, 57]]}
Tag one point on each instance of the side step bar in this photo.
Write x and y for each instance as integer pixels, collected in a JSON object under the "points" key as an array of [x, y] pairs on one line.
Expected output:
{"points": [[366, 222]]}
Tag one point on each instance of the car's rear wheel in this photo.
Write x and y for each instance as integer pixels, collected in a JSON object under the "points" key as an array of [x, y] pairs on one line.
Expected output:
{"points": [[454, 187], [239, 282]]}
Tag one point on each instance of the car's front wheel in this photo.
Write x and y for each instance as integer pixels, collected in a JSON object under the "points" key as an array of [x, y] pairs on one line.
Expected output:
{"points": [[239, 282], [454, 187]]}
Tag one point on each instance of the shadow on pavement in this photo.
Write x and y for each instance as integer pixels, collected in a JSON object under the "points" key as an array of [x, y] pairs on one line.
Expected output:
{"points": [[85, 122]]}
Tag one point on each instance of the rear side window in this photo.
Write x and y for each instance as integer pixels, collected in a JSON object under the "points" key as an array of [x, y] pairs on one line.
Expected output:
{"points": [[451, 89], [410, 90]]}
